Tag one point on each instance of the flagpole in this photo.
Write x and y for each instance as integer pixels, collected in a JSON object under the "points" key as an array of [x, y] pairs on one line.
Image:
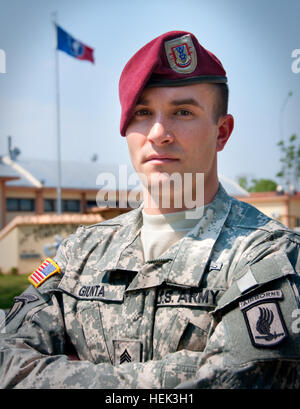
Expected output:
{"points": [[58, 132]]}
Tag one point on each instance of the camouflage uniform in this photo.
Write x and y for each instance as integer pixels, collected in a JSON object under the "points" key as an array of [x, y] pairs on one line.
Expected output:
{"points": [[217, 310]]}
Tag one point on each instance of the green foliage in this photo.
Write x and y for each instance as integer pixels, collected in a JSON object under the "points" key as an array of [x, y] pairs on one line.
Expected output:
{"points": [[14, 271], [257, 185], [243, 182], [11, 285], [263, 185], [290, 161]]}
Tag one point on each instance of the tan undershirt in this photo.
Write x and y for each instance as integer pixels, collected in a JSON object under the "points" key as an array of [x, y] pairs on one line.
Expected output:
{"points": [[161, 231]]}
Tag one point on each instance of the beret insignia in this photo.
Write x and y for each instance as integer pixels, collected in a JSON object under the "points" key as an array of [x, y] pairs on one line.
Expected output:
{"points": [[181, 54]]}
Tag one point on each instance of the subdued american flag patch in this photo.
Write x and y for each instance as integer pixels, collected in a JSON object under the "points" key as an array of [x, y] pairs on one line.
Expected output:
{"points": [[44, 271]]}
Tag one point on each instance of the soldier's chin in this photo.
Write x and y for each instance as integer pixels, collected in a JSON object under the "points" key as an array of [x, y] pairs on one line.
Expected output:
{"points": [[164, 180]]}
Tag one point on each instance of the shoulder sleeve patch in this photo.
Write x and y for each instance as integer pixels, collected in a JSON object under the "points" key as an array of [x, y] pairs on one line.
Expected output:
{"points": [[264, 319], [43, 272]]}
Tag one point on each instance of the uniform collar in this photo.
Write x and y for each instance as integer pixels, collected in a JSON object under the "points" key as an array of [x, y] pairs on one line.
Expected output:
{"points": [[185, 262]]}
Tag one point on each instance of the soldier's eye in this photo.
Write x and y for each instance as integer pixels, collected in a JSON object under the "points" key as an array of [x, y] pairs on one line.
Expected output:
{"points": [[142, 112], [183, 112]]}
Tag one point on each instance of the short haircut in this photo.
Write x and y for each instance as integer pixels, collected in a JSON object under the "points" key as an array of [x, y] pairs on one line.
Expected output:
{"points": [[221, 100]]}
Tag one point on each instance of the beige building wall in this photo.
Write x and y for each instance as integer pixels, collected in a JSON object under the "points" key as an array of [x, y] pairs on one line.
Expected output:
{"points": [[272, 209], [37, 242], [65, 195], [22, 193], [27, 241], [1, 195], [9, 252], [11, 215], [285, 208], [294, 211]]}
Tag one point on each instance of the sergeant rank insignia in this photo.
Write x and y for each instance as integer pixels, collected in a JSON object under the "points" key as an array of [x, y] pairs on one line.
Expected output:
{"points": [[264, 320], [127, 351], [43, 272], [181, 54]]}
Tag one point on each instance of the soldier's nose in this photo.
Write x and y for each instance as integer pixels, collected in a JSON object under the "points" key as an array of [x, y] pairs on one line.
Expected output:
{"points": [[159, 134]]}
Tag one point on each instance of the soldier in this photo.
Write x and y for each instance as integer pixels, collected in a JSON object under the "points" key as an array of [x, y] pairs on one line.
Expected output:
{"points": [[157, 298]]}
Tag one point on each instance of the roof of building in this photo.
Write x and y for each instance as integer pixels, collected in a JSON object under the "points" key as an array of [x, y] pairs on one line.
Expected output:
{"points": [[74, 175], [84, 175], [77, 219], [257, 197], [6, 172]]}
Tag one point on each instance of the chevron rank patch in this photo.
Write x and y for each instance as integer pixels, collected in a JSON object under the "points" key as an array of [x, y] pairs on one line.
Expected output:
{"points": [[43, 272], [264, 320], [127, 351]]}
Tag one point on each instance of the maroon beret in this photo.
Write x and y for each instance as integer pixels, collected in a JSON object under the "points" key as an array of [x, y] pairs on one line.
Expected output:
{"points": [[173, 59]]}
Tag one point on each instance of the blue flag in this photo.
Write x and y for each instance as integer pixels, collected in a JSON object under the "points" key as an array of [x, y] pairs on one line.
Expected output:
{"points": [[73, 47]]}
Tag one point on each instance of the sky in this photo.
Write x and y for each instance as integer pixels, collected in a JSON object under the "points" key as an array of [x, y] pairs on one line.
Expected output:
{"points": [[253, 39]]}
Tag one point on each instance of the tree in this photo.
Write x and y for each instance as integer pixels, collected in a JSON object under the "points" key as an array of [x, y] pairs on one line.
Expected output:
{"points": [[290, 160], [263, 185], [256, 185]]}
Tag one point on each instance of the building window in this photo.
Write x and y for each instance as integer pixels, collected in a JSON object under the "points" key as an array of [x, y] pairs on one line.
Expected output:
{"points": [[111, 204], [20, 205], [69, 205], [91, 203], [49, 205]]}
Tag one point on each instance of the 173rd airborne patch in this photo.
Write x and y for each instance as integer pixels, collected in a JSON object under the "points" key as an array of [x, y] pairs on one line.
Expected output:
{"points": [[264, 320]]}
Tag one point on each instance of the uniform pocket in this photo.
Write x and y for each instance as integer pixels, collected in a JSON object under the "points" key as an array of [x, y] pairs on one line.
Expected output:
{"points": [[180, 328], [88, 316], [195, 335], [98, 311], [169, 328]]}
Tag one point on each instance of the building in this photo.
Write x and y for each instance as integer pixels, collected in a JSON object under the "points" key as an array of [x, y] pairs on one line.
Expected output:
{"points": [[91, 192], [284, 207], [29, 187]]}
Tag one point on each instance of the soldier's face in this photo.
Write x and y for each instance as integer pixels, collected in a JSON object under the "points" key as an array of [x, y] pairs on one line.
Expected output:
{"points": [[174, 130]]}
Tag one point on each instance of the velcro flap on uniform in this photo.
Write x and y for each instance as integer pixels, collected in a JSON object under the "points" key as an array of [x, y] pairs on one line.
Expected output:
{"points": [[272, 267], [246, 282]]}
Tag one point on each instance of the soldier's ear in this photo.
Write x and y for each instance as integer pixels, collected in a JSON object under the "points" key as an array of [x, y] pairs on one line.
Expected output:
{"points": [[225, 128]]}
